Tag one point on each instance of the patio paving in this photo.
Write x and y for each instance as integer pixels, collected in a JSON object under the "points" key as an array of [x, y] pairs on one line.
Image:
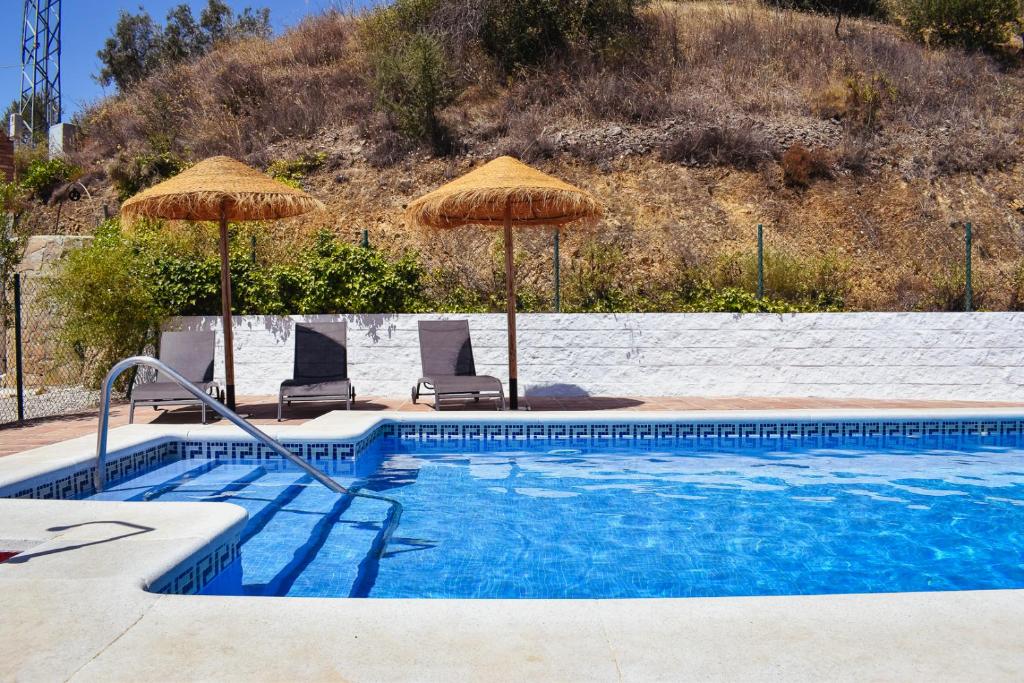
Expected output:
{"points": [[263, 410]]}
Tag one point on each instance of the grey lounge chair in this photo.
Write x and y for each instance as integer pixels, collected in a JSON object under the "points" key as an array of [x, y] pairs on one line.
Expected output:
{"points": [[191, 354], [446, 354], [321, 366]]}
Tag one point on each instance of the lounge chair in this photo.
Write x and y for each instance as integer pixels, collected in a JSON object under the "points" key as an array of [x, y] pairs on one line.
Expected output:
{"points": [[191, 354], [321, 366], [446, 354]]}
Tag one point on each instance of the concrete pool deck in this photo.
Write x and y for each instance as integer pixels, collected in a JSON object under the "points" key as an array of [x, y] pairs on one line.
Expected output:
{"points": [[75, 607]]}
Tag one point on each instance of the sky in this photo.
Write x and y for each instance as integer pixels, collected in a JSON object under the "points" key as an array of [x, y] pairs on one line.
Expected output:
{"points": [[87, 23]]}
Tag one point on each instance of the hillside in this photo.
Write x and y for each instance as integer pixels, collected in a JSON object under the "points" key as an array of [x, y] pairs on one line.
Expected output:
{"points": [[689, 141]]}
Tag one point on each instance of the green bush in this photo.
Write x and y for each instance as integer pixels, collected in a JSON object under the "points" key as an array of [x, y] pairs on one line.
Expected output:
{"points": [[117, 290], [973, 24], [413, 82], [43, 176], [337, 277], [805, 281], [132, 174], [520, 33], [707, 299], [106, 294], [293, 171]]}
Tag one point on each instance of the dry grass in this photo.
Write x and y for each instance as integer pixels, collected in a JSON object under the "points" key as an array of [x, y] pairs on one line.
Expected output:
{"points": [[917, 141], [239, 99]]}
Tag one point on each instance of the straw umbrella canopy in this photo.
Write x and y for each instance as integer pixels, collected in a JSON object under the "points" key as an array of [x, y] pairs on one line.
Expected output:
{"points": [[509, 193], [220, 189]]}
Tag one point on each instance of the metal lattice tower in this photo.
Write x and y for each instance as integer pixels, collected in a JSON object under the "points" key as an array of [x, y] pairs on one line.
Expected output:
{"points": [[40, 63]]}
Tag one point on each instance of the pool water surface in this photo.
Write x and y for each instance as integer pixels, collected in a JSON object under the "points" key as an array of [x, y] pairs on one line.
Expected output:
{"points": [[588, 520]]}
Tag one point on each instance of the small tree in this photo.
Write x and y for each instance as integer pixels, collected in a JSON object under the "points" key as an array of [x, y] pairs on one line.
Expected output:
{"points": [[413, 83], [973, 24], [131, 52], [139, 45]]}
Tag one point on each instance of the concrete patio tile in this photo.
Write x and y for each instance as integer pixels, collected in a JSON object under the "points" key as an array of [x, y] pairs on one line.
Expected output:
{"points": [[901, 636], [359, 640], [92, 615]]}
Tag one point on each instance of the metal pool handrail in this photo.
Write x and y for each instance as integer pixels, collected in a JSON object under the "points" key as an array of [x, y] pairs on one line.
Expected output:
{"points": [[235, 419]]}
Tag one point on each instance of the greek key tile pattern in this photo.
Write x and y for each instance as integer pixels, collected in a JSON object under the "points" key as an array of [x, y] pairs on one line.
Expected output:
{"points": [[121, 465], [810, 431], [198, 571]]}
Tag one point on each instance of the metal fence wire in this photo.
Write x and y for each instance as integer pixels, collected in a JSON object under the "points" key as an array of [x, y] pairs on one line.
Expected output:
{"points": [[41, 375]]}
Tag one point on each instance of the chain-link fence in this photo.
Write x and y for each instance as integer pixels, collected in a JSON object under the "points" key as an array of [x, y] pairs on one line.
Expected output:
{"points": [[41, 375]]}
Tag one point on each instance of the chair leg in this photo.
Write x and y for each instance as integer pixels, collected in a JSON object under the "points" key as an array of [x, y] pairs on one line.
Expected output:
{"points": [[280, 402], [131, 412], [202, 408]]}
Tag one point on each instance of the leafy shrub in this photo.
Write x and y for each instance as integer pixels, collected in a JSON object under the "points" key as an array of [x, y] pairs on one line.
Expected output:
{"points": [[948, 288], [106, 294], [117, 290], [43, 176], [413, 82], [707, 299], [294, 171], [730, 145], [336, 277], [801, 165], [593, 282], [819, 283], [133, 173], [519, 33], [973, 24], [859, 101]]}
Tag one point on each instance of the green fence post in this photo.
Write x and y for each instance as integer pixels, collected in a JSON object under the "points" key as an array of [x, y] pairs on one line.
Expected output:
{"points": [[19, 370], [366, 238], [558, 277], [760, 261], [968, 288], [252, 253]]}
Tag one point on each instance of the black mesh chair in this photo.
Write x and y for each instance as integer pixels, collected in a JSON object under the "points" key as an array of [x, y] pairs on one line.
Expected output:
{"points": [[321, 366], [189, 353], [446, 355]]}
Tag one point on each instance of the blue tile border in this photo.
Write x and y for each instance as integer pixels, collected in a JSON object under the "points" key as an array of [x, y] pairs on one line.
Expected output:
{"points": [[122, 465], [192, 576], [698, 430], [811, 432]]}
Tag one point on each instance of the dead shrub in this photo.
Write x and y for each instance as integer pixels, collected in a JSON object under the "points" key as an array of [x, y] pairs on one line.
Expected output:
{"points": [[528, 137], [855, 155], [737, 145], [977, 153], [800, 165]]}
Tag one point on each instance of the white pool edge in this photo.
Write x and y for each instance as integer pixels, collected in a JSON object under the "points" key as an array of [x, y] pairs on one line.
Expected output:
{"points": [[82, 613]]}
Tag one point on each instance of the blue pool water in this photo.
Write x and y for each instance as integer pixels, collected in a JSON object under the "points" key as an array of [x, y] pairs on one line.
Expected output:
{"points": [[586, 520]]}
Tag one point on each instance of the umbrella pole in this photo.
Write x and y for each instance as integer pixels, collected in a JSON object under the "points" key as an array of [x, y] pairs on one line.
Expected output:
{"points": [[510, 307], [225, 305]]}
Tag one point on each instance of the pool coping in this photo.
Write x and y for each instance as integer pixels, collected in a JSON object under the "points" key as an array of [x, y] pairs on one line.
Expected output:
{"points": [[78, 607]]}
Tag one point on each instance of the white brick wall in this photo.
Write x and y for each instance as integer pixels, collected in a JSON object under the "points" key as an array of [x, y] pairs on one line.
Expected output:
{"points": [[970, 356]]}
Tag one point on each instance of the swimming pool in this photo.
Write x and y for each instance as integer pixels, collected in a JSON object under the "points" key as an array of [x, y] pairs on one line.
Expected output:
{"points": [[624, 518]]}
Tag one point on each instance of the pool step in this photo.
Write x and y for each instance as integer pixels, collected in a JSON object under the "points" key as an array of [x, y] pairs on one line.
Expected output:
{"points": [[342, 553], [136, 487], [271, 558], [264, 497], [216, 485]]}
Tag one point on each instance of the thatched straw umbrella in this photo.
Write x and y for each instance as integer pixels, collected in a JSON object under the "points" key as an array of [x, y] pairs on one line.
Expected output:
{"points": [[220, 189], [505, 192]]}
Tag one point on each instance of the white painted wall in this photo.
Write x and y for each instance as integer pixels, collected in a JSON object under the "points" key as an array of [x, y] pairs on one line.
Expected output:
{"points": [[968, 356]]}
